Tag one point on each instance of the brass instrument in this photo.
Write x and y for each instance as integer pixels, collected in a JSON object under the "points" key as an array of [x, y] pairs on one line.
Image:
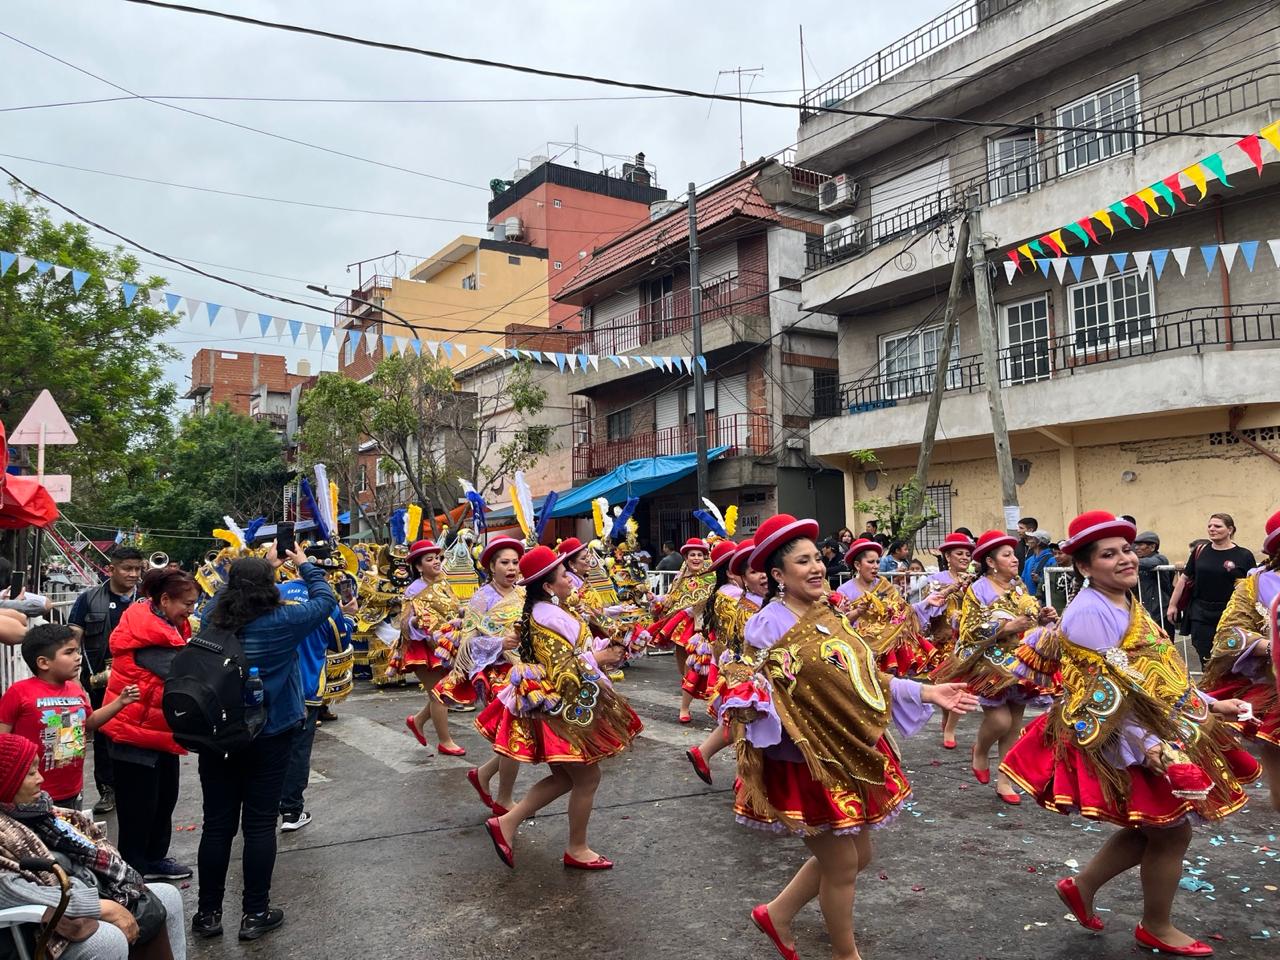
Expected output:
{"points": [[159, 560]]}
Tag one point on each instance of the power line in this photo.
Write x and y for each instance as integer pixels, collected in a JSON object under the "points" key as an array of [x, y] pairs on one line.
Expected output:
{"points": [[609, 81]]}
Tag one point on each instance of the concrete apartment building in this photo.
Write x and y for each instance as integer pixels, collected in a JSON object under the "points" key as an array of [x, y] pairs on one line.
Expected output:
{"points": [[766, 361], [1142, 394]]}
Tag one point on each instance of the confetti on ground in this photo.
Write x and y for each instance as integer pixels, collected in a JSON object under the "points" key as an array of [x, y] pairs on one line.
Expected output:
{"points": [[1196, 885]]}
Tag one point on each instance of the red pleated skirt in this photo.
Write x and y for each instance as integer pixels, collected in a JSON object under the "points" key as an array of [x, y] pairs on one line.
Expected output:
{"points": [[915, 656], [1266, 707], [535, 739], [418, 654]]}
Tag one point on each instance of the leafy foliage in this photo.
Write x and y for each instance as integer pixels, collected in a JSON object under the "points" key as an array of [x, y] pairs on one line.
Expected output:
{"points": [[903, 514]]}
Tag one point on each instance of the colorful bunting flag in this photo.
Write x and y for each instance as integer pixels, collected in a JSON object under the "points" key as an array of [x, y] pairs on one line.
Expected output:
{"points": [[1213, 163], [1252, 148]]}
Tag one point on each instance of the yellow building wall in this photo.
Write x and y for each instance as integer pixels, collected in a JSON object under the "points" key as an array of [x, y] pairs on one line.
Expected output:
{"points": [[505, 293]]}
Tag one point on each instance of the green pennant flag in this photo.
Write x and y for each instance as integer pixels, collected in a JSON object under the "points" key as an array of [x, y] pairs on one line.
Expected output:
{"points": [[1078, 231], [1214, 164], [1035, 245], [1121, 211], [1165, 193]]}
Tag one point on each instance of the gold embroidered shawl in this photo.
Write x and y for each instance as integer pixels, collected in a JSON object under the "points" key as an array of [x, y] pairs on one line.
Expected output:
{"points": [[885, 616], [1243, 621], [978, 658]]}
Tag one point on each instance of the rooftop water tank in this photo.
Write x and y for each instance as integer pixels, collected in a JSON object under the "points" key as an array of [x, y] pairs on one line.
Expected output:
{"points": [[514, 228]]}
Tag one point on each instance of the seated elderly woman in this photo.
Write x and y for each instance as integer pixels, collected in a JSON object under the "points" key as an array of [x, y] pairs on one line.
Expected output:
{"points": [[111, 914]]}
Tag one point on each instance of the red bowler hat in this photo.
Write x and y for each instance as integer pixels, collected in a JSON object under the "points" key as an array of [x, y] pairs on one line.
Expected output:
{"points": [[500, 543], [955, 541], [1271, 543], [741, 555], [538, 562], [776, 531], [694, 543], [570, 546], [421, 549], [991, 540], [721, 552], [861, 545], [1094, 525]]}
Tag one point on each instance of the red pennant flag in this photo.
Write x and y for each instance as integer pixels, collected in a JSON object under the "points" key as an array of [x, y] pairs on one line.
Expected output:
{"points": [[1017, 262], [1087, 225], [1053, 245], [1252, 146], [1133, 202], [1174, 183]]}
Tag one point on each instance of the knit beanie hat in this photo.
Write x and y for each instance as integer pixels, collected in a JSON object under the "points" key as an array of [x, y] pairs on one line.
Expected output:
{"points": [[16, 754]]}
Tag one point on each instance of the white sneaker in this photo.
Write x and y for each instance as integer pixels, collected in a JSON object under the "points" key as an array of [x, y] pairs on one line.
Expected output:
{"points": [[290, 822]]}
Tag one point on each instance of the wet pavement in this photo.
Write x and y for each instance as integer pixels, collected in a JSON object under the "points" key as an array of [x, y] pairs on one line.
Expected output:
{"points": [[397, 864]]}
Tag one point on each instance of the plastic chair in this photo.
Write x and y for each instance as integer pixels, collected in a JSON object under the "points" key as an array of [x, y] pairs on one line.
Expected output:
{"points": [[14, 918]]}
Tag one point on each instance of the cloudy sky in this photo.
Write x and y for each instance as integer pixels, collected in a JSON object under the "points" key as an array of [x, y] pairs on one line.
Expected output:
{"points": [[275, 82]]}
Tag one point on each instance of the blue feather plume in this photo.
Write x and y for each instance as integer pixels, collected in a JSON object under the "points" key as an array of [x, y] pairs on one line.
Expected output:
{"points": [[618, 532], [478, 507], [251, 530], [548, 504], [310, 499], [398, 525], [711, 522]]}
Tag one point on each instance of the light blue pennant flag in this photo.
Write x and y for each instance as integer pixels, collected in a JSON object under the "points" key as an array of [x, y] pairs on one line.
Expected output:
{"points": [[210, 306], [130, 290], [325, 334], [559, 359], [617, 361], [295, 328], [78, 277], [264, 321], [1158, 260], [1077, 265], [1044, 265], [417, 346], [1120, 259], [171, 300], [1210, 253], [388, 344], [702, 362], [447, 347], [1248, 250], [7, 260], [43, 267]]}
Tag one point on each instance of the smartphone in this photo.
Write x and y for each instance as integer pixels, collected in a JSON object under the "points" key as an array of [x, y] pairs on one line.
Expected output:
{"points": [[346, 590], [17, 584], [284, 538]]}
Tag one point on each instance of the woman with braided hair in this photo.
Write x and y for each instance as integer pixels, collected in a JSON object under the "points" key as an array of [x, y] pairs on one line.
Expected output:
{"points": [[559, 708], [1244, 659]]}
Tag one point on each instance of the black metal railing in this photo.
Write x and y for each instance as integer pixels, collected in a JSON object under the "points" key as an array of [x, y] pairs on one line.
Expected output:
{"points": [[1188, 331], [906, 220]]}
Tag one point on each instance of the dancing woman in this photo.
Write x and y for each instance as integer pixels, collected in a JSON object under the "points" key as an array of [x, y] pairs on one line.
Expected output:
{"points": [[1243, 662], [1132, 741], [813, 756], [703, 649], [893, 628], [957, 553], [558, 708], [685, 608], [416, 647], [995, 616]]}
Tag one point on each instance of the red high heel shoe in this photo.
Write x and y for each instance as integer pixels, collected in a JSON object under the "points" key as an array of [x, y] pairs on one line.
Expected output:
{"points": [[451, 751], [413, 728], [500, 845], [473, 778], [982, 776], [1193, 949], [760, 917], [1069, 894], [699, 764], [599, 863]]}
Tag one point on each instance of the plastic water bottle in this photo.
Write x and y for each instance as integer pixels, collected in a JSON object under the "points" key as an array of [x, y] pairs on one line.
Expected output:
{"points": [[253, 692]]}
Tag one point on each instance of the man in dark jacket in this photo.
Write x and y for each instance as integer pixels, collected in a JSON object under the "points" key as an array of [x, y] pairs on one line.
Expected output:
{"points": [[1154, 586]]}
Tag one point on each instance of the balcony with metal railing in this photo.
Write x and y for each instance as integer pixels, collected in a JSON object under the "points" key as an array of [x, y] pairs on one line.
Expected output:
{"points": [[364, 304], [746, 434]]}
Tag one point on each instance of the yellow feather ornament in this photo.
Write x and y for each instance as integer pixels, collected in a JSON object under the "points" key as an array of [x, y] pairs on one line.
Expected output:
{"points": [[333, 503], [731, 519], [412, 521]]}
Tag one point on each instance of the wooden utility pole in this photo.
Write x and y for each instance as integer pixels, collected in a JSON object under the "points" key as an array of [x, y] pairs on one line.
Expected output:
{"points": [[991, 362]]}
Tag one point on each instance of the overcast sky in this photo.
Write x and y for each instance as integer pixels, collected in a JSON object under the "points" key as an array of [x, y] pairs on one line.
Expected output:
{"points": [[282, 247]]}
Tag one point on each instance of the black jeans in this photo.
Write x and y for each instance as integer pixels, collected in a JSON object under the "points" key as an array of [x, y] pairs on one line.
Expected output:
{"points": [[145, 798], [103, 768], [295, 778], [242, 793]]}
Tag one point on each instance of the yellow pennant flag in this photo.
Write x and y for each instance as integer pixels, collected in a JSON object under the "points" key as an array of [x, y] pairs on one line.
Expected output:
{"points": [[1105, 219], [1271, 134], [1196, 176], [1057, 238], [1148, 196], [1025, 250]]}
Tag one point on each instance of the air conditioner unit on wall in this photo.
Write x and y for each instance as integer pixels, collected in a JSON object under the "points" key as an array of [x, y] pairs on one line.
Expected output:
{"points": [[843, 236], [841, 192]]}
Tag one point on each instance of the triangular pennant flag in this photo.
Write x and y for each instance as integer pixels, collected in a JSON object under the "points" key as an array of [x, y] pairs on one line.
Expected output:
{"points": [[193, 307], [1196, 176], [1229, 254], [1060, 268], [1158, 258], [295, 328], [213, 309], [595, 361], [1035, 245], [1271, 134], [1275, 250], [1162, 189], [462, 349], [171, 300], [1118, 210], [1213, 163], [1138, 207], [1077, 265], [43, 267], [702, 362], [1099, 261], [1252, 148], [447, 347], [340, 343], [417, 346], [326, 333], [1080, 233], [1025, 250], [626, 361], [8, 259], [1141, 258], [616, 360], [1013, 258], [310, 330], [242, 317], [264, 322], [1056, 237], [559, 359], [1052, 243], [485, 348], [1103, 217], [1174, 182], [130, 290], [1120, 259], [61, 273], [1044, 267], [1181, 255], [500, 351], [537, 355], [1010, 269], [277, 326], [110, 284], [24, 264], [157, 296], [1148, 196], [388, 345], [1210, 253], [1249, 250], [433, 348]]}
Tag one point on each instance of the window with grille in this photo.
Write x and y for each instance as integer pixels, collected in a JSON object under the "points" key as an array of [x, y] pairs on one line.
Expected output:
{"points": [[931, 535], [910, 360], [826, 393], [1114, 108], [469, 282], [1026, 330], [513, 260], [618, 425], [1115, 311], [1012, 163]]}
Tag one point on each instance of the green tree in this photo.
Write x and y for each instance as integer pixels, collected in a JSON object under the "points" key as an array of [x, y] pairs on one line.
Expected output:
{"points": [[102, 361], [904, 512], [220, 463]]}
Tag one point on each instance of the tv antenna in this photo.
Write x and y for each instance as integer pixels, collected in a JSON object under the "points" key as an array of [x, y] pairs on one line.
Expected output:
{"points": [[752, 72]]}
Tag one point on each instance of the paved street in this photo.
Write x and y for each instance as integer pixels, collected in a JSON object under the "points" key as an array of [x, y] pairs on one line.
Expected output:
{"points": [[396, 864]]}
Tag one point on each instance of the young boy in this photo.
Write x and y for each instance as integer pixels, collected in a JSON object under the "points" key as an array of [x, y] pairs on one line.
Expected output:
{"points": [[52, 710]]}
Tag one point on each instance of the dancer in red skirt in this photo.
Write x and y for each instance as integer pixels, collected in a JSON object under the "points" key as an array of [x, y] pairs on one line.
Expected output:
{"points": [[957, 554], [703, 648], [1132, 741], [684, 607], [813, 755], [1244, 663], [996, 614], [557, 707], [430, 611]]}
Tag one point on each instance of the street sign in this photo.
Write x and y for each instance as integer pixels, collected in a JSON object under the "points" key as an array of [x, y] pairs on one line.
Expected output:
{"points": [[43, 413], [59, 486]]}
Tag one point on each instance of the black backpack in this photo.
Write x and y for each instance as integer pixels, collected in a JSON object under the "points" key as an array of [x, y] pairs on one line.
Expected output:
{"points": [[203, 699]]}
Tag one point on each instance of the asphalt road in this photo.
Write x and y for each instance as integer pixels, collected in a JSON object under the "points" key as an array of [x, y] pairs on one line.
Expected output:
{"points": [[397, 864]]}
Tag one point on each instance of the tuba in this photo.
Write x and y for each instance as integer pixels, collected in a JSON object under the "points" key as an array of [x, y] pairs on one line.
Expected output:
{"points": [[159, 560]]}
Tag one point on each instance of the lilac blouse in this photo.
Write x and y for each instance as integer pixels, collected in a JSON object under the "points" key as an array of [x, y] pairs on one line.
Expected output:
{"points": [[925, 612]]}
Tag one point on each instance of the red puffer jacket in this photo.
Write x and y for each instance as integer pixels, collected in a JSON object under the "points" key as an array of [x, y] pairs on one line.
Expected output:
{"points": [[141, 724]]}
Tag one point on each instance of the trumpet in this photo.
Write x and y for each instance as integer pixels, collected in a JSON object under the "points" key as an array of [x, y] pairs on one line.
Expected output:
{"points": [[159, 560]]}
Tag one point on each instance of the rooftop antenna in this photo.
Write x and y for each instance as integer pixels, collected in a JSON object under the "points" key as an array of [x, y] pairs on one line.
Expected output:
{"points": [[750, 72]]}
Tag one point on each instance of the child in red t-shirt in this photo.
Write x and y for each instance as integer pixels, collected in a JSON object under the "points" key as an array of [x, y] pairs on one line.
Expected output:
{"points": [[52, 710]]}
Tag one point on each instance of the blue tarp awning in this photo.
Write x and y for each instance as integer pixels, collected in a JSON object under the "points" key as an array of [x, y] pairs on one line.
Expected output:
{"points": [[636, 478]]}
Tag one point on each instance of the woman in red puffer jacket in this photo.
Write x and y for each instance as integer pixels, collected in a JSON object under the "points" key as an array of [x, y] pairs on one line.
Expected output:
{"points": [[143, 751]]}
